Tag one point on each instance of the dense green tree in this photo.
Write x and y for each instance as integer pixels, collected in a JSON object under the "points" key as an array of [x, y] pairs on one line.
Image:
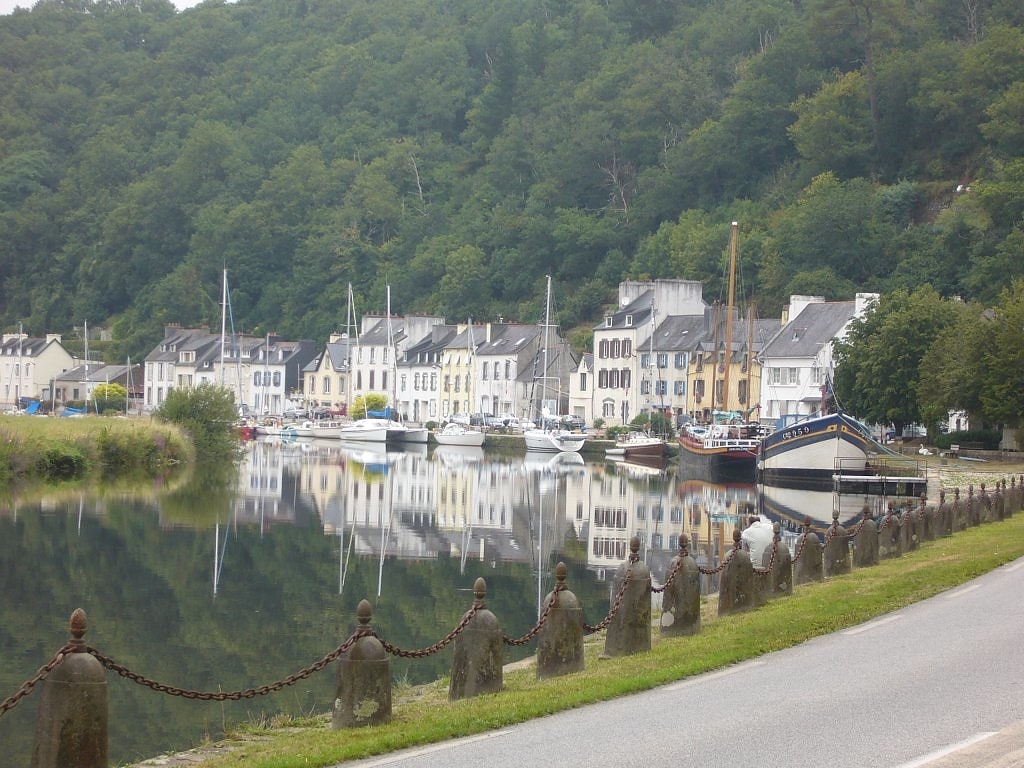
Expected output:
{"points": [[878, 363], [208, 413]]}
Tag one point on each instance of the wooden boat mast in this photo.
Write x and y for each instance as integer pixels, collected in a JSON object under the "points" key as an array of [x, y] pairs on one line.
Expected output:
{"points": [[728, 315]]}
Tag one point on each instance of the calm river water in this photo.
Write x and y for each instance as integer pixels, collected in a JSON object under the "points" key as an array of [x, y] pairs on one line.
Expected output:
{"points": [[232, 586]]}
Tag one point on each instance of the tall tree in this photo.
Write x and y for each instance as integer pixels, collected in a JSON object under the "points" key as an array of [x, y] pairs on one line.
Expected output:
{"points": [[878, 363]]}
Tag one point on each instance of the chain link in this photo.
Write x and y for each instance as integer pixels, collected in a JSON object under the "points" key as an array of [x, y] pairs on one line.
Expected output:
{"points": [[616, 603], [721, 565], [424, 652], [248, 693], [10, 703], [671, 577], [551, 605], [771, 560]]}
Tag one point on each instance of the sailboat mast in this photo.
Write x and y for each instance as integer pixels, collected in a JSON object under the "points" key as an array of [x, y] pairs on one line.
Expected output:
{"points": [[728, 315], [547, 329], [751, 314], [223, 322]]}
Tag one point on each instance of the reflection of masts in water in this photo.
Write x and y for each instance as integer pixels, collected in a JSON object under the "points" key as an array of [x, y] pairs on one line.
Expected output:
{"points": [[218, 554], [385, 531], [343, 559]]}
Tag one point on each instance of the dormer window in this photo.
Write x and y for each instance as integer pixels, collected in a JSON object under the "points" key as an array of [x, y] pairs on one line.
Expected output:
{"points": [[608, 322], [629, 321]]}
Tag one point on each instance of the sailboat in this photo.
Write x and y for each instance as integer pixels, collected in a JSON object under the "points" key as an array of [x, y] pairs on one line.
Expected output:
{"points": [[549, 436], [727, 448]]}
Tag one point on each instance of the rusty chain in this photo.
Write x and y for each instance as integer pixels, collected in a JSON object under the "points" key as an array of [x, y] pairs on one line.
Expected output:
{"points": [[771, 560], [591, 628], [721, 565], [551, 604], [671, 577], [10, 703], [248, 693], [424, 652]]}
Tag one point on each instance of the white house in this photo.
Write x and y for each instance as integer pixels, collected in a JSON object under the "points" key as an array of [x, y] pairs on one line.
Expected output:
{"points": [[797, 362]]}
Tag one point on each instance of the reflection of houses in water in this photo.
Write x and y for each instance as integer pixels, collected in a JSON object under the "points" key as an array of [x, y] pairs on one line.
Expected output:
{"points": [[614, 502]]}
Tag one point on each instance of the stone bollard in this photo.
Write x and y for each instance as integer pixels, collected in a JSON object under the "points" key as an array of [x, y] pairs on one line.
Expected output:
{"points": [[984, 505], [889, 541], [959, 512], [560, 640], [944, 516], [629, 630], [837, 548], [680, 602], [808, 557], [865, 543], [737, 591], [363, 692], [973, 507], [908, 528], [779, 581], [999, 501], [926, 523], [71, 723], [478, 655]]}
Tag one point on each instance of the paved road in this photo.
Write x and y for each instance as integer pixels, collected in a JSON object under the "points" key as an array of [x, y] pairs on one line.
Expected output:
{"points": [[940, 683]]}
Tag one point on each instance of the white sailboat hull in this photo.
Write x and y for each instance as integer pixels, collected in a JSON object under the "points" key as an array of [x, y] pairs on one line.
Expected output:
{"points": [[553, 440]]}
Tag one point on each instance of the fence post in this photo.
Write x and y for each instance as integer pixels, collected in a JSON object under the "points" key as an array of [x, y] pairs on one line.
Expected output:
{"points": [[837, 548], [945, 516], [865, 543], [630, 628], [780, 578], [363, 692], [926, 519], [889, 534], [71, 724], [478, 654], [737, 591], [560, 641], [680, 602], [808, 559], [908, 528]]}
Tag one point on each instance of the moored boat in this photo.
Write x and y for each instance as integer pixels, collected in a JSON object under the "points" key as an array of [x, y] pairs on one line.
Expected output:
{"points": [[721, 451], [636, 444], [812, 452], [457, 434], [366, 430], [553, 439]]}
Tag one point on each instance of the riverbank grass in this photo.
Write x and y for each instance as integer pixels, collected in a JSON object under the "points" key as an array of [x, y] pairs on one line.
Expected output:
{"points": [[36, 449], [423, 715]]}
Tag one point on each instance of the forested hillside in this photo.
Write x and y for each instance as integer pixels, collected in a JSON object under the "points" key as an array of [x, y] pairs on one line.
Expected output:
{"points": [[461, 150]]}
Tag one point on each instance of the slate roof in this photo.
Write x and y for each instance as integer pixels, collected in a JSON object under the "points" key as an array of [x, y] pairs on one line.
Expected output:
{"points": [[816, 324], [639, 309]]}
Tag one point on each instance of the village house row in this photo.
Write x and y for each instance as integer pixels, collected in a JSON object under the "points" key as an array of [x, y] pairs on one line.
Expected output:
{"points": [[663, 348]]}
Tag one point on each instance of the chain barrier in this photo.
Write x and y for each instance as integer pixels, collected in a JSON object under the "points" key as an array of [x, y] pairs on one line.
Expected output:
{"points": [[248, 693], [721, 565], [590, 629], [10, 703], [671, 577], [802, 544], [551, 604], [859, 527], [424, 652], [763, 572]]}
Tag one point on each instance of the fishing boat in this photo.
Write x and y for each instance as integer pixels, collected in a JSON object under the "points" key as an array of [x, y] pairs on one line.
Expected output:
{"points": [[457, 434], [727, 448], [723, 451], [326, 428], [813, 452], [550, 435]]}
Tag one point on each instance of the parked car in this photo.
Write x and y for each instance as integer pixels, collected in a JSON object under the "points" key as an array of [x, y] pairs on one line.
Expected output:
{"points": [[573, 422], [494, 422], [519, 425], [295, 413], [460, 418]]}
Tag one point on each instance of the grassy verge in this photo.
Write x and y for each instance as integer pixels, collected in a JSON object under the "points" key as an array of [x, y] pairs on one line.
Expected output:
{"points": [[52, 450], [423, 715]]}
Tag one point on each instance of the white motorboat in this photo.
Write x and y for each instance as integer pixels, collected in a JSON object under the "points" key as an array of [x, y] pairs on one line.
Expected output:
{"points": [[553, 439], [369, 430], [457, 434]]}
